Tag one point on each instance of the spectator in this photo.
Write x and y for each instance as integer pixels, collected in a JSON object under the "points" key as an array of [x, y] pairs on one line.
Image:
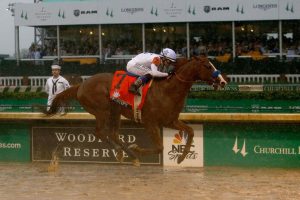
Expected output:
{"points": [[37, 56], [55, 85]]}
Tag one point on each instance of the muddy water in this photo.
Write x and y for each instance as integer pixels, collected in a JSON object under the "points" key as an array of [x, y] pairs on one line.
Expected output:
{"points": [[114, 182]]}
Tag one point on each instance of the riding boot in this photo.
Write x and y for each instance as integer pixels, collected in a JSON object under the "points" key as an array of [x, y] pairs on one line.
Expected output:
{"points": [[134, 87]]}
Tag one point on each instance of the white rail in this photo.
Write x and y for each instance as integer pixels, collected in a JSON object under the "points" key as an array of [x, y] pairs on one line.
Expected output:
{"points": [[293, 78], [255, 78], [11, 81], [38, 81]]}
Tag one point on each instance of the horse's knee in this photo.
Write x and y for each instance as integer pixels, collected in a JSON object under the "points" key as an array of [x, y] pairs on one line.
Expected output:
{"points": [[190, 132]]}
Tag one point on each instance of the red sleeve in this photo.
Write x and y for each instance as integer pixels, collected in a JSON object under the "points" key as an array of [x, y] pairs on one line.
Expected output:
{"points": [[156, 61]]}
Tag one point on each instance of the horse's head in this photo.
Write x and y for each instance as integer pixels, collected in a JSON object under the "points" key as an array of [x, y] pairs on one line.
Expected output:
{"points": [[200, 68], [209, 73]]}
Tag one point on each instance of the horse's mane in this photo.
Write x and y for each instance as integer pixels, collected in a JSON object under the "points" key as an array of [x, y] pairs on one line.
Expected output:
{"points": [[182, 61]]}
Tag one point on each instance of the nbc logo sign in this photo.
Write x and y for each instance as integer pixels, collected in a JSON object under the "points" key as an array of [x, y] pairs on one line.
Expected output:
{"points": [[174, 145]]}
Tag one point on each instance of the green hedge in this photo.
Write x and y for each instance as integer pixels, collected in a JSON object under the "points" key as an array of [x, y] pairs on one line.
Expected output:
{"points": [[22, 95], [220, 95], [230, 95]]}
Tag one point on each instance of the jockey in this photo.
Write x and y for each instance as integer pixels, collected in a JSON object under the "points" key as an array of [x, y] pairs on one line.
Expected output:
{"points": [[146, 65]]}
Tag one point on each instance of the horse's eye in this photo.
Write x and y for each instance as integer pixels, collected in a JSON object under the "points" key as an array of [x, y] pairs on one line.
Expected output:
{"points": [[208, 66]]}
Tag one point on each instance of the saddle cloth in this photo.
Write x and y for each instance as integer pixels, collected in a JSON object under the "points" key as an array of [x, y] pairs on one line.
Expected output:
{"points": [[119, 91]]}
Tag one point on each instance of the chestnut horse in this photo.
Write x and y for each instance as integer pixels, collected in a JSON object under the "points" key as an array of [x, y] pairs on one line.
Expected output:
{"points": [[163, 104]]}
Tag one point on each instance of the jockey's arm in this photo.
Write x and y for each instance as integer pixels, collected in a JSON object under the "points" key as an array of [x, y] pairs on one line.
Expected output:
{"points": [[154, 69], [156, 73]]}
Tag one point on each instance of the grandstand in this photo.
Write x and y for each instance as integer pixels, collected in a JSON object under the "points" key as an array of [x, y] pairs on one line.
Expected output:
{"points": [[107, 30], [249, 40]]}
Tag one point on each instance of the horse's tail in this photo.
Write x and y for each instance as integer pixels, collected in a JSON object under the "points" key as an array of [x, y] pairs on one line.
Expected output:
{"points": [[62, 99]]}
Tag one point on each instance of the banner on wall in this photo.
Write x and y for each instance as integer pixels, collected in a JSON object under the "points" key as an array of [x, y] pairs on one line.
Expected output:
{"points": [[156, 11], [56, 13], [289, 9], [174, 144], [267, 145], [79, 144], [14, 143]]}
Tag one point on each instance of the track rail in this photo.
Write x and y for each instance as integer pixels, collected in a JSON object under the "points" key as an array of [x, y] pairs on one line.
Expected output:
{"points": [[191, 117]]}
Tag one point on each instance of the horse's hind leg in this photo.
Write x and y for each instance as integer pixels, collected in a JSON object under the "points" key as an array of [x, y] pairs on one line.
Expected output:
{"points": [[113, 126], [100, 125], [104, 136]]}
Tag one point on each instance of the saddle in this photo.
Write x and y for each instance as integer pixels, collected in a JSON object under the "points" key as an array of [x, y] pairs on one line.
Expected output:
{"points": [[119, 92]]}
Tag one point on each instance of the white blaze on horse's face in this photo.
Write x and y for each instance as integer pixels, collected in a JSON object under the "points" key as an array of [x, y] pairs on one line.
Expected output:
{"points": [[220, 77]]}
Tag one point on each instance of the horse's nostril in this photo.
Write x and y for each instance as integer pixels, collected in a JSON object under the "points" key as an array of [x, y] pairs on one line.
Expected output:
{"points": [[223, 83]]}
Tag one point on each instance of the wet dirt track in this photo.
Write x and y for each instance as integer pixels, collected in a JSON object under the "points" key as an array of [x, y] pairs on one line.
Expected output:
{"points": [[114, 182]]}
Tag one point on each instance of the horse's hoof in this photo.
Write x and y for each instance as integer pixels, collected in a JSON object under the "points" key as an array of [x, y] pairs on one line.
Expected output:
{"points": [[135, 149], [180, 159], [136, 162], [120, 156], [133, 146], [53, 166]]}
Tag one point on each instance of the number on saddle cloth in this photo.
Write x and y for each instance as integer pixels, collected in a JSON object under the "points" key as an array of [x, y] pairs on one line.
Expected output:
{"points": [[118, 86], [121, 81]]}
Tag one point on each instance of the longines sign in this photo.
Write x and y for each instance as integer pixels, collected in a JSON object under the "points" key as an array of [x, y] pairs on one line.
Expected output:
{"points": [[79, 144], [156, 11]]}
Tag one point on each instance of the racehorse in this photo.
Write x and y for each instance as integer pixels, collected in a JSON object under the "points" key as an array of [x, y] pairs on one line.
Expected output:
{"points": [[163, 104]]}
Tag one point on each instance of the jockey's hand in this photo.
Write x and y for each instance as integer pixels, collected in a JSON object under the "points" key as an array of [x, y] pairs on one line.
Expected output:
{"points": [[171, 72]]}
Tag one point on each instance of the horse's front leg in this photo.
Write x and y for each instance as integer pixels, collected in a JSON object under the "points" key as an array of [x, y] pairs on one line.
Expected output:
{"points": [[181, 126], [154, 132]]}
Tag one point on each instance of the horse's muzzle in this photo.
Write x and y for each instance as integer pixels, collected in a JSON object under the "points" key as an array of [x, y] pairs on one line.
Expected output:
{"points": [[222, 81]]}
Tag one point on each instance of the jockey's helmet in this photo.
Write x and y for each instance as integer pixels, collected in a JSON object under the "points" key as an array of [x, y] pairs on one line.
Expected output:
{"points": [[169, 54]]}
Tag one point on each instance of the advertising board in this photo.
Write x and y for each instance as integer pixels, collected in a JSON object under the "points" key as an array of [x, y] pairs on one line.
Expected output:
{"points": [[240, 106], [174, 144], [156, 11], [79, 144], [14, 143], [271, 145]]}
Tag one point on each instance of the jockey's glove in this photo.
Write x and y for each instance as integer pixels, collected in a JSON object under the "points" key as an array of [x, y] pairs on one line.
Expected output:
{"points": [[171, 72]]}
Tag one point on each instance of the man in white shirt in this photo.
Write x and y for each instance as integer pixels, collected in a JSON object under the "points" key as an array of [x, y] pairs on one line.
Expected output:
{"points": [[55, 85]]}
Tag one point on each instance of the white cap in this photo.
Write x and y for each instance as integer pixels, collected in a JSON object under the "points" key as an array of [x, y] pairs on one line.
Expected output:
{"points": [[55, 67], [169, 54]]}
